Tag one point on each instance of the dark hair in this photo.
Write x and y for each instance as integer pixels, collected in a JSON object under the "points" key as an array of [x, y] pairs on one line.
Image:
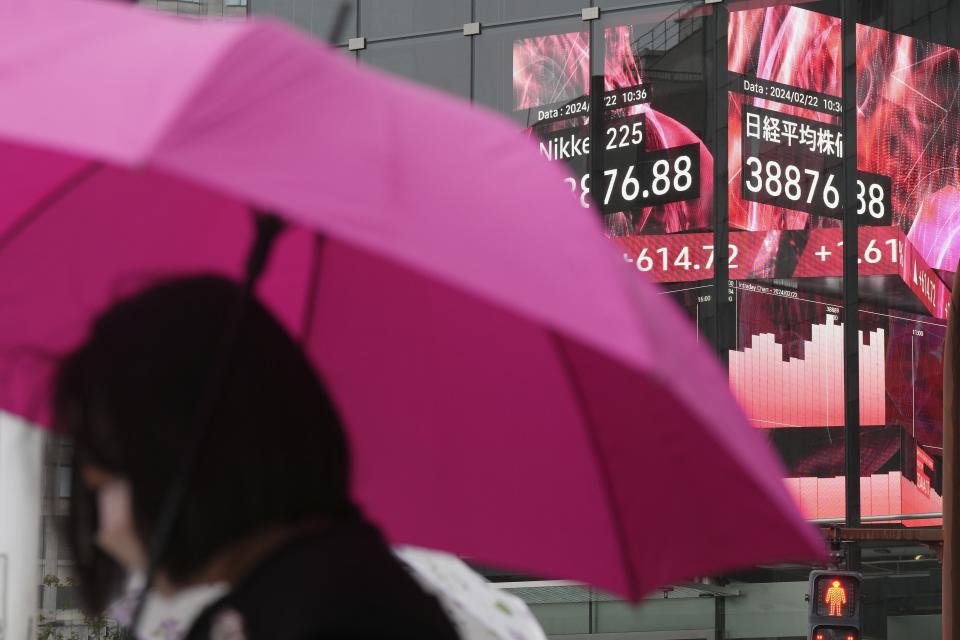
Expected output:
{"points": [[274, 451]]}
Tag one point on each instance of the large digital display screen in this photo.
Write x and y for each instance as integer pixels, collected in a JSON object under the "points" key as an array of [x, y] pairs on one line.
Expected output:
{"points": [[785, 149], [657, 190], [785, 145], [787, 373], [785, 140], [657, 173]]}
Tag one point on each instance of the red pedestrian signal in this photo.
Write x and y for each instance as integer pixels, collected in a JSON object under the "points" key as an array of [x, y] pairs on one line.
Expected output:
{"points": [[835, 601], [835, 596]]}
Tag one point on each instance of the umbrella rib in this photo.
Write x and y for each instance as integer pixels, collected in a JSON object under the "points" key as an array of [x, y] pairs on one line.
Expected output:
{"points": [[313, 284], [592, 437], [48, 201]]}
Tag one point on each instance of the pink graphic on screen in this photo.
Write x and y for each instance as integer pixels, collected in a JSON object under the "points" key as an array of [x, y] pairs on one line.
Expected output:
{"points": [[880, 495], [909, 117], [550, 69]]}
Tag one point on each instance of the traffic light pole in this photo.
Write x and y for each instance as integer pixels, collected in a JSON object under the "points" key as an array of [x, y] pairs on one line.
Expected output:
{"points": [[851, 328], [719, 617], [723, 315]]}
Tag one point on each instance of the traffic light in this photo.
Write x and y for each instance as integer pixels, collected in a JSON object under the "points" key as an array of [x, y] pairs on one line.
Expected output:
{"points": [[835, 605]]}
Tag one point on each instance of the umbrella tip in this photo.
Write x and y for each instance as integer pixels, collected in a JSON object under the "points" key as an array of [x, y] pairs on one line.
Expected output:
{"points": [[268, 227]]}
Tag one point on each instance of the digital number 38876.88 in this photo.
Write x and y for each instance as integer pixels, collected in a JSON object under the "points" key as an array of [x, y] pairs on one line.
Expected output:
{"points": [[784, 183]]}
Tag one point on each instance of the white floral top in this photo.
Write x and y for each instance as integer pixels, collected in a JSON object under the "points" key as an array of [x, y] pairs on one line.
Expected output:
{"points": [[478, 609]]}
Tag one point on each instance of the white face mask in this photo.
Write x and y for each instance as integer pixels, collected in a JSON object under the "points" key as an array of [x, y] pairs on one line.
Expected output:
{"points": [[116, 534]]}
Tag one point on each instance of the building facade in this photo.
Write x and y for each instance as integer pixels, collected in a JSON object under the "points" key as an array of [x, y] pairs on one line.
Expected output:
{"points": [[725, 125]]}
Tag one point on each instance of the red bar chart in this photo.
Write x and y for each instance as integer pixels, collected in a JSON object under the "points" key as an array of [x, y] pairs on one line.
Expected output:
{"points": [[779, 391]]}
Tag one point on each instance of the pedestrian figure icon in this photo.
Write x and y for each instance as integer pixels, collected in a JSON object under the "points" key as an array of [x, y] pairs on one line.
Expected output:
{"points": [[836, 598], [835, 605]]}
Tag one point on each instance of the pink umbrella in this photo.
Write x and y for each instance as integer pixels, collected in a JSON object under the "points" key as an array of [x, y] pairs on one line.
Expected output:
{"points": [[511, 392]]}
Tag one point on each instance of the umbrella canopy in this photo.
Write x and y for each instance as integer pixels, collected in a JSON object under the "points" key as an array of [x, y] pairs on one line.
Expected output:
{"points": [[510, 391]]}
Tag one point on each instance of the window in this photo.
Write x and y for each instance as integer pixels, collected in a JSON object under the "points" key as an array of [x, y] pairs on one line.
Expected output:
{"points": [[508, 10], [68, 598], [313, 16], [64, 481], [387, 18], [439, 61]]}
